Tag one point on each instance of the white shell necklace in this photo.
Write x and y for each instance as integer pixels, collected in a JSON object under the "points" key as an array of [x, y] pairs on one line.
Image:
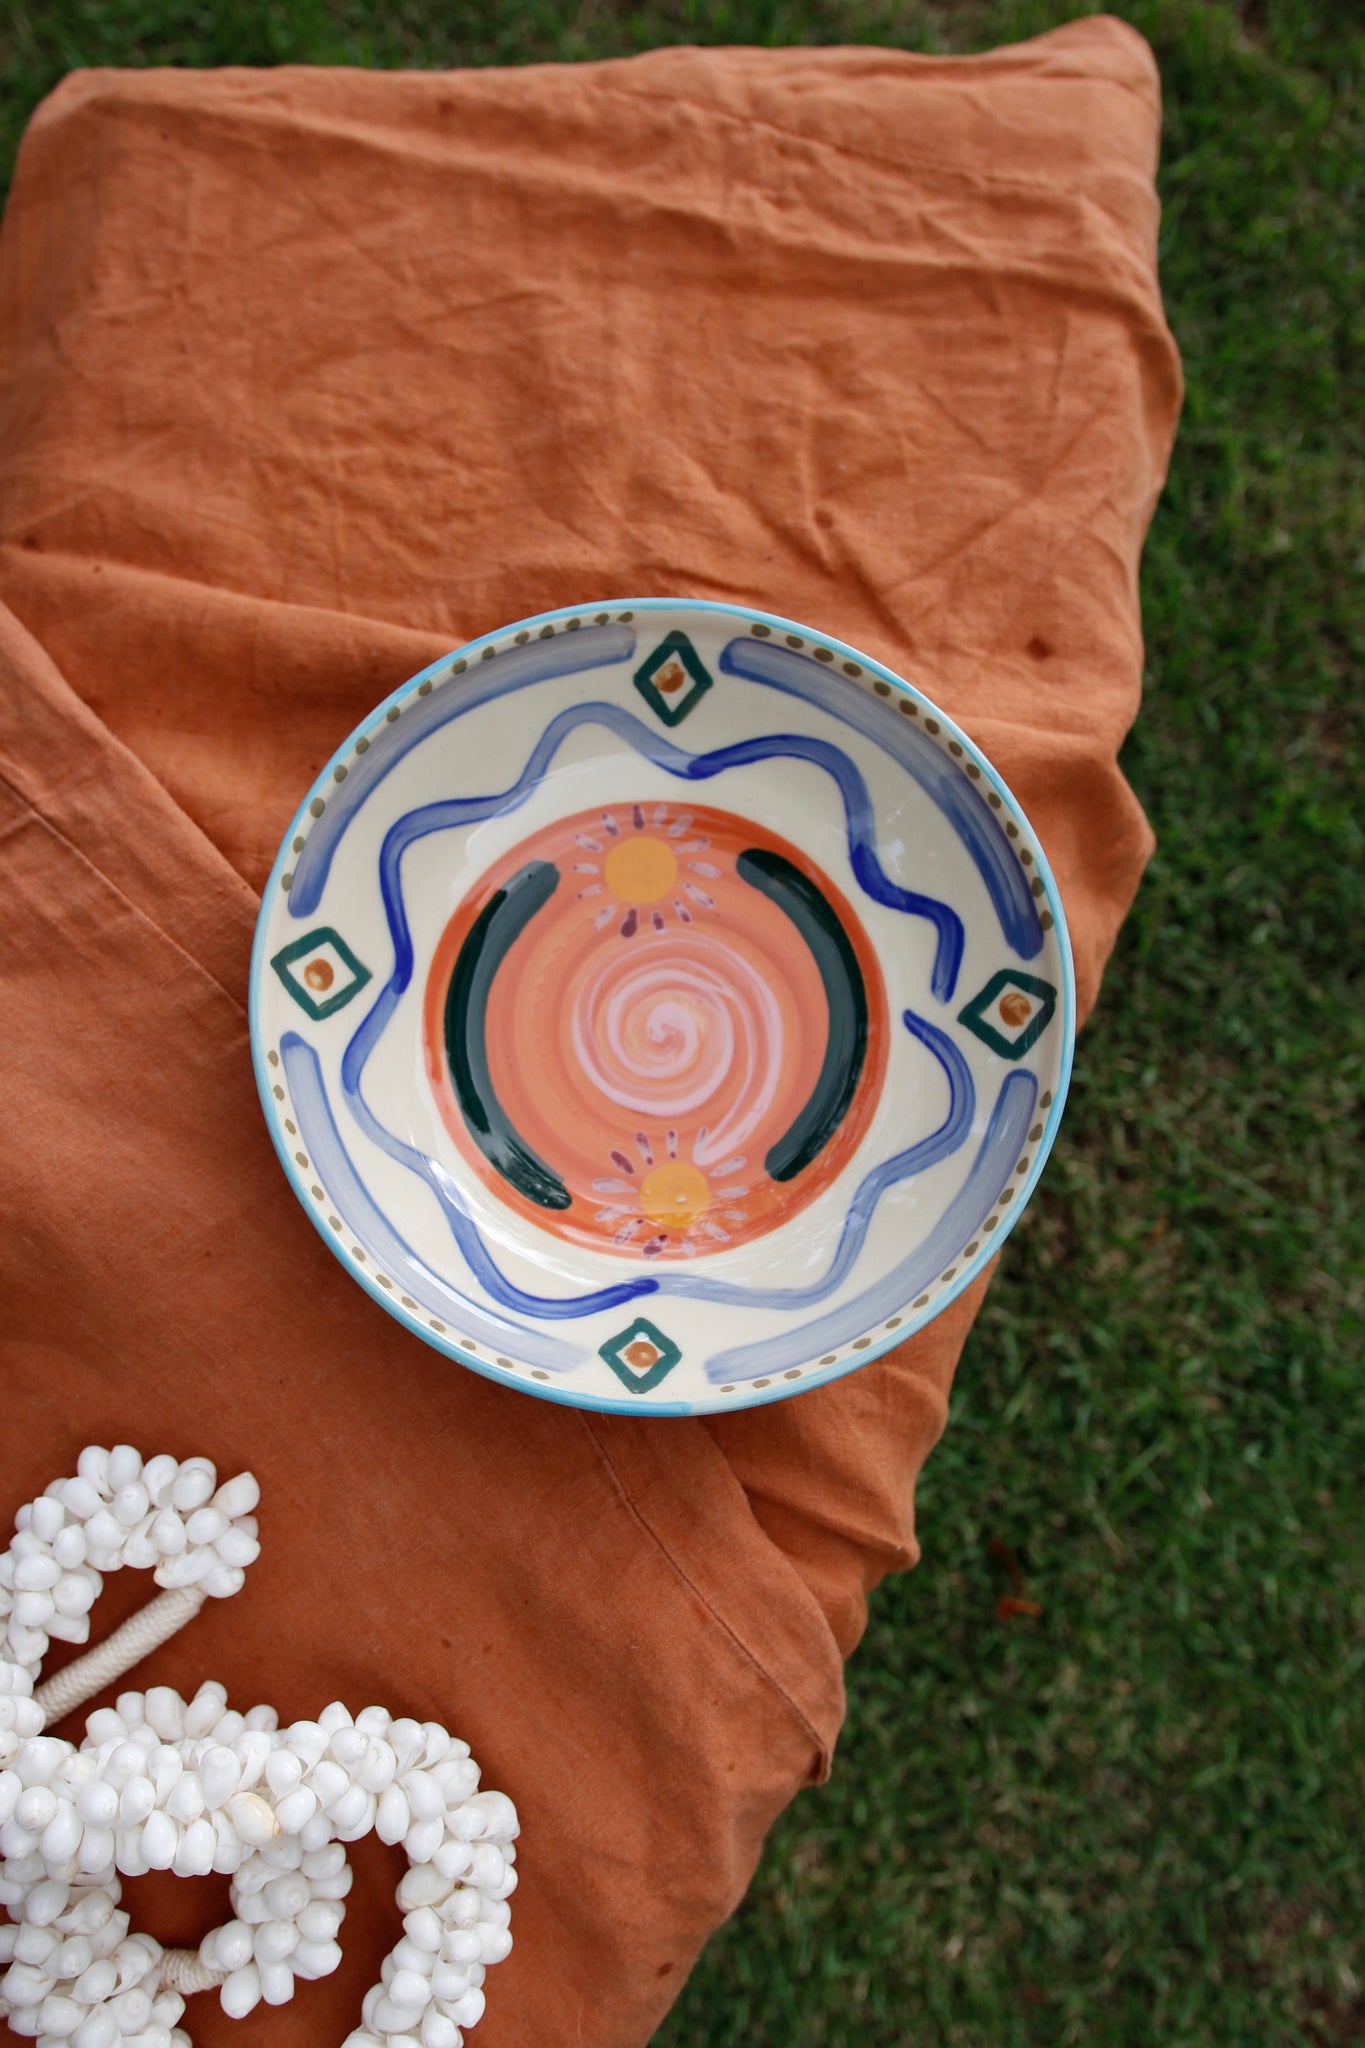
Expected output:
{"points": [[161, 1783]]}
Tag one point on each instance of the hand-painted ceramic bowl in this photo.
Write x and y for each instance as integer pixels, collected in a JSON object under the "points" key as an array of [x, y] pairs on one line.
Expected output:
{"points": [[661, 1007]]}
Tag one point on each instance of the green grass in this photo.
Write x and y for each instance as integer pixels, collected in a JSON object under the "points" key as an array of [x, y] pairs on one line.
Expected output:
{"points": [[1138, 1819]]}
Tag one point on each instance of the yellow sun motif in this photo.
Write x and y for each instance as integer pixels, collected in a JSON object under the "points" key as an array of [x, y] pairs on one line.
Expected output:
{"points": [[675, 1193], [673, 1199], [640, 870]]}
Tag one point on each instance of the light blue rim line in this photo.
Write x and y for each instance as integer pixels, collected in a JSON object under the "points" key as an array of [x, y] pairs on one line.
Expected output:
{"points": [[745, 1396]]}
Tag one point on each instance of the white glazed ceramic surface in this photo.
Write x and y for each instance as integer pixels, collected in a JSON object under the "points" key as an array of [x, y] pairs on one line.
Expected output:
{"points": [[659, 1007]]}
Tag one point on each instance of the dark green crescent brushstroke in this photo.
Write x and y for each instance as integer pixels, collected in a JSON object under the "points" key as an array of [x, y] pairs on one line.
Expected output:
{"points": [[846, 1047], [501, 921]]}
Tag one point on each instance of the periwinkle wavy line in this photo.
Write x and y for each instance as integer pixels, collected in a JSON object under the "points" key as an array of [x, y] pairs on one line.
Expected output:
{"points": [[916, 1158], [451, 813], [516, 668], [753, 661], [796, 675]]}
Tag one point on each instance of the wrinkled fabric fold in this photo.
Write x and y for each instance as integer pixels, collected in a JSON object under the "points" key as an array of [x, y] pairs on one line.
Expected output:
{"points": [[306, 376]]}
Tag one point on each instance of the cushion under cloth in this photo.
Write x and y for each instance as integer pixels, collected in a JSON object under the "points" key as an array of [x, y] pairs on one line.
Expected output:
{"points": [[306, 376]]}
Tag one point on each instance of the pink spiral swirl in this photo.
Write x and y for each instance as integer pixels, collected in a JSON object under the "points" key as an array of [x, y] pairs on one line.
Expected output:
{"points": [[690, 1027]]}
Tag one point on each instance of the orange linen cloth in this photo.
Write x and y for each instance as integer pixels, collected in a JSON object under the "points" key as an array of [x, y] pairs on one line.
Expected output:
{"points": [[306, 377]]}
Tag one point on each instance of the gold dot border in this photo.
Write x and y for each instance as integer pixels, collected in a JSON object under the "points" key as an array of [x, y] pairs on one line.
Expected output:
{"points": [[872, 685]]}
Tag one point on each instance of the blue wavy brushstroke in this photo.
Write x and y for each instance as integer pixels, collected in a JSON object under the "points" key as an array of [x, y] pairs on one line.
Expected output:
{"points": [[458, 811], [1005, 1135], [655, 747], [324, 1145], [796, 675], [516, 668], [464, 1230], [927, 1152]]}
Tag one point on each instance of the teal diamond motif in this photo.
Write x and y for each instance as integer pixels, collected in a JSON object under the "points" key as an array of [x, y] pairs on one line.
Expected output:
{"points": [[1011, 1013], [674, 679], [320, 971], [641, 1356]]}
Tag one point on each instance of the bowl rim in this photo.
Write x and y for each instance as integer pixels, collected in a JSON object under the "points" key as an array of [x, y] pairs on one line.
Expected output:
{"points": [[748, 1395]]}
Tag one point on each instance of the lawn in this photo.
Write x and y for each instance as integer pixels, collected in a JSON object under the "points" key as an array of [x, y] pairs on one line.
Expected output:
{"points": [[1139, 1817]]}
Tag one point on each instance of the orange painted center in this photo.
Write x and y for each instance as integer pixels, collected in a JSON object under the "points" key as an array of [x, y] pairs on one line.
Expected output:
{"points": [[654, 1029]]}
